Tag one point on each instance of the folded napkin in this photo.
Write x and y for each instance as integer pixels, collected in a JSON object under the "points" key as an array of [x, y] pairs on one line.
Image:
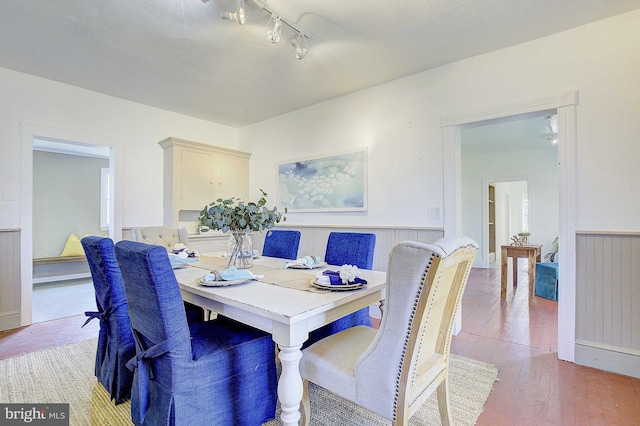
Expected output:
{"points": [[178, 260], [182, 251], [307, 262], [231, 274], [333, 278]]}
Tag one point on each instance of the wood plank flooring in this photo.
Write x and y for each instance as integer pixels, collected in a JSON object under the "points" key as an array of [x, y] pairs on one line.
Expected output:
{"points": [[534, 387]]}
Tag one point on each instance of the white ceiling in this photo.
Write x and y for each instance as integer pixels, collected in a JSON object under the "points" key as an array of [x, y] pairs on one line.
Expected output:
{"points": [[517, 133], [180, 56]]}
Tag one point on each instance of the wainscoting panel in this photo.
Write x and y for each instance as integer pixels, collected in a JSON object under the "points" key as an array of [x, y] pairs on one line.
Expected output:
{"points": [[608, 301], [9, 278], [313, 241]]}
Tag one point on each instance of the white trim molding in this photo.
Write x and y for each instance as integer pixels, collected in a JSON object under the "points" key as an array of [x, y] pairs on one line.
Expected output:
{"points": [[565, 105], [28, 132]]}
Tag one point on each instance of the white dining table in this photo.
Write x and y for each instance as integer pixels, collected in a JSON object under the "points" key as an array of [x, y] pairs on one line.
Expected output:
{"points": [[287, 313]]}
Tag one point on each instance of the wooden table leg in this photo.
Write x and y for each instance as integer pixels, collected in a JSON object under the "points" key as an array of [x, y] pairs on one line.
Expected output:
{"points": [[503, 274], [532, 276], [515, 271]]}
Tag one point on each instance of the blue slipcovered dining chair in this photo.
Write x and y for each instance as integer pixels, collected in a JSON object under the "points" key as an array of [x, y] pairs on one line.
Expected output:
{"points": [[217, 372], [168, 237], [115, 341], [283, 244], [353, 249]]}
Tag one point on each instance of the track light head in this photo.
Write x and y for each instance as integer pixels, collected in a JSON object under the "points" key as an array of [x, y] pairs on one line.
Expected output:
{"points": [[300, 45], [238, 15], [274, 34]]}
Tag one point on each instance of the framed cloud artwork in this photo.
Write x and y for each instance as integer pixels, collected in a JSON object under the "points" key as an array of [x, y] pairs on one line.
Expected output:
{"points": [[328, 183]]}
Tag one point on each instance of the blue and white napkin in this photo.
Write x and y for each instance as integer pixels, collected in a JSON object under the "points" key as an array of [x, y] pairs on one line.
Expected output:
{"points": [[304, 262], [347, 275], [231, 274]]}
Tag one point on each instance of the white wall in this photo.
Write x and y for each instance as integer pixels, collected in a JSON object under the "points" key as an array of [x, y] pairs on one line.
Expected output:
{"points": [[33, 100], [66, 199], [539, 167], [400, 123]]}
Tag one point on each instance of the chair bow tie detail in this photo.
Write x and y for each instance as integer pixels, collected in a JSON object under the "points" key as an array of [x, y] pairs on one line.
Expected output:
{"points": [[102, 316], [142, 362]]}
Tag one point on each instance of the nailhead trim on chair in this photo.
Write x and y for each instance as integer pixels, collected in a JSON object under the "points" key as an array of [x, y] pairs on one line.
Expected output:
{"points": [[406, 340]]}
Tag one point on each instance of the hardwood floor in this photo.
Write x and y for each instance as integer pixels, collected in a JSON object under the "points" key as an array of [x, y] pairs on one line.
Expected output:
{"points": [[534, 387]]}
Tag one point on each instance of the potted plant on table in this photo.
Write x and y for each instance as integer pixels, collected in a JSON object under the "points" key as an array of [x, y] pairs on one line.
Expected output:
{"points": [[520, 239], [551, 255], [240, 218]]}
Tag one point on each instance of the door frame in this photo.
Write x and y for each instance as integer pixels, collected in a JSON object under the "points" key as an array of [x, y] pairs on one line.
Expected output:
{"points": [[116, 166], [565, 104], [484, 249]]}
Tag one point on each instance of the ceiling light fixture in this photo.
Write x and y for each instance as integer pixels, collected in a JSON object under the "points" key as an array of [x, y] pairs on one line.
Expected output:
{"points": [[300, 45], [238, 15], [274, 34]]}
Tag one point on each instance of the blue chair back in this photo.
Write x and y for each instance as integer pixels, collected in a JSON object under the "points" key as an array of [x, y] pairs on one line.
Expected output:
{"points": [[283, 244], [115, 341], [156, 309], [350, 248]]}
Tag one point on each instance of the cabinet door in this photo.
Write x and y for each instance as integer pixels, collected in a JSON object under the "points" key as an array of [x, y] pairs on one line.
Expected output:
{"points": [[198, 179], [232, 177]]}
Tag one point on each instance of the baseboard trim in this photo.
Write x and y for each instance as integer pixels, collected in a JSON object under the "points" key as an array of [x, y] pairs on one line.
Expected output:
{"points": [[54, 278], [609, 358]]}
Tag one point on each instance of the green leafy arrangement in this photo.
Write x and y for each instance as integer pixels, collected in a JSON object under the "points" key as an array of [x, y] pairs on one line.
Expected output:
{"points": [[234, 214]]}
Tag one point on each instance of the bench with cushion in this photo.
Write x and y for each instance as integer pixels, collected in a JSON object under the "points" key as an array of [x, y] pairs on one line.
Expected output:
{"points": [[70, 265]]}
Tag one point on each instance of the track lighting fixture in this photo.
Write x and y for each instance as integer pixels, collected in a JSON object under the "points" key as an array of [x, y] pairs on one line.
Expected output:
{"points": [[300, 45], [274, 34], [238, 15]]}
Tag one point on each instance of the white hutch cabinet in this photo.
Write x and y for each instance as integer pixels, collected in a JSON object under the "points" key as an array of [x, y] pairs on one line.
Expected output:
{"points": [[196, 174]]}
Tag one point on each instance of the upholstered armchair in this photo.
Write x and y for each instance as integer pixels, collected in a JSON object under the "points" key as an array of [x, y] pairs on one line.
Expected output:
{"points": [[353, 249], [393, 370], [282, 244], [165, 236], [215, 372], [115, 341]]}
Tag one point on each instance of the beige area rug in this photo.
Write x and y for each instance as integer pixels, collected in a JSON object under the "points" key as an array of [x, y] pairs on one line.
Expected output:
{"points": [[65, 374]]}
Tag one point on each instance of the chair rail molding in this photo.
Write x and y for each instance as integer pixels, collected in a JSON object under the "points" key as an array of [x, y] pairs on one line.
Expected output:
{"points": [[565, 105]]}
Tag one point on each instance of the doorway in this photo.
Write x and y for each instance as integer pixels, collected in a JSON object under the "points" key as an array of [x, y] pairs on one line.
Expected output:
{"points": [[508, 212], [565, 105], [78, 138], [69, 194]]}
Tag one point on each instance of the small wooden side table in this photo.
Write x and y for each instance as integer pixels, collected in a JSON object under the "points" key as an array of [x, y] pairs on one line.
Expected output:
{"points": [[529, 251]]}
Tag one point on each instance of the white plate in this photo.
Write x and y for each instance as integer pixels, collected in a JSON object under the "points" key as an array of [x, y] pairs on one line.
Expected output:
{"points": [[315, 266], [201, 281], [337, 287]]}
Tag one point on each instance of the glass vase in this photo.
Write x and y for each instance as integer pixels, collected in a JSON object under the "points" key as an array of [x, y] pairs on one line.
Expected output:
{"points": [[240, 250]]}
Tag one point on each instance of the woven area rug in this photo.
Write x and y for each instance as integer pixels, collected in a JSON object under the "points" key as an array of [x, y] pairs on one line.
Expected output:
{"points": [[65, 374]]}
